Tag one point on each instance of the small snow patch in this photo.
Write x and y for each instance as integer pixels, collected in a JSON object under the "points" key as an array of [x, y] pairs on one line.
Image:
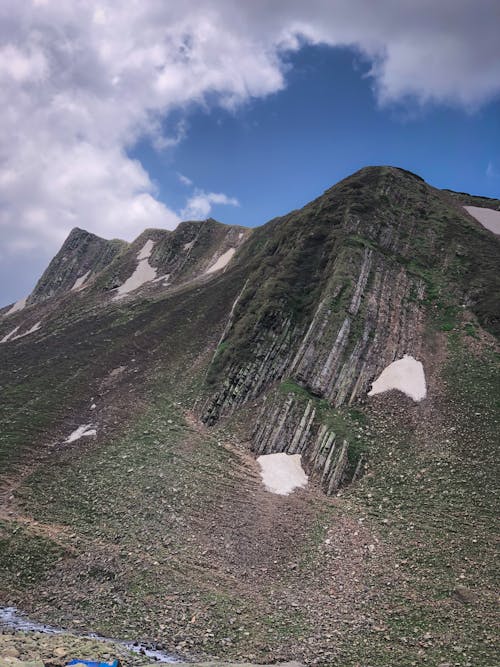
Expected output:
{"points": [[9, 335], [19, 305], [282, 473], [81, 432], [406, 375], [12, 334], [486, 216], [188, 246], [222, 262], [34, 328], [144, 272], [165, 278], [79, 281]]}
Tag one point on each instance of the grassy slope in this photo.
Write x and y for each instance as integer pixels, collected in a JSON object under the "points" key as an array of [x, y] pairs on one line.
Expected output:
{"points": [[431, 494], [119, 533], [145, 558]]}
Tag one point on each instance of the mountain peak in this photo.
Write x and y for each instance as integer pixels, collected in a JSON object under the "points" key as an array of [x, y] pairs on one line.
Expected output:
{"points": [[82, 254]]}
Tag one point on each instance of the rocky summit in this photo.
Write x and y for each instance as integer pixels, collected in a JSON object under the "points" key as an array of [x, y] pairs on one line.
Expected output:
{"points": [[260, 445]]}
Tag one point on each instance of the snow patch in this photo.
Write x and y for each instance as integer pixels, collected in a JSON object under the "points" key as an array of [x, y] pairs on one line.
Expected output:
{"points": [[486, 216], [406, 375], [81, 432], [222, 262], [79, 281], [282, 473], [19, 305], [188, 246], [34, 328], [145, 252], [9, 335], [12, 334], [165, 278], [143, 273]]}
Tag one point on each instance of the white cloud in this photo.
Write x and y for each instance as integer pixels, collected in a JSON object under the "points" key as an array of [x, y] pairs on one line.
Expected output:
{"points": [[184, 180], [80, 82], [199, 205], [21, 67]]}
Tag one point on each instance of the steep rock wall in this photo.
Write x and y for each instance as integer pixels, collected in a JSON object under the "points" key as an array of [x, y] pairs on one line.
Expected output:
{"points": [[294, 427], [335, 359], [380, 249], [82, 255]]}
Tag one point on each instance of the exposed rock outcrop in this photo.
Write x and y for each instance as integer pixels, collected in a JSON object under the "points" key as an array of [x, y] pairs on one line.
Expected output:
{"points": [[83, 254], [295, 427], [375, 265], [176, 258]]}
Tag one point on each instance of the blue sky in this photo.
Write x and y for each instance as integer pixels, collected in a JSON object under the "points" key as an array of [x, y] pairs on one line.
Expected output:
{"points": [[278, 153], [121, 116]]}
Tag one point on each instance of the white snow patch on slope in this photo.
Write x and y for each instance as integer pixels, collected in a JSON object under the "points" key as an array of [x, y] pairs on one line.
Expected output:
{"points": [[19, 305], [165, 277], [34, 328], [486, 216], [9, 335], [81, 432], [143, 273], [282, 473], [145, 252], [188, 246], [406, 375], [79, 281], [222, 262]]}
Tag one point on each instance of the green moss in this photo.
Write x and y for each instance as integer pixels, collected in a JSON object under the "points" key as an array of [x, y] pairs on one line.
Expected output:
{"points": [[291, 387], [221, 347], [470, 330], [349, 424]]}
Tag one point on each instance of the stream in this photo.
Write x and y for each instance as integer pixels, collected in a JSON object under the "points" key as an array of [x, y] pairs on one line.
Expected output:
{"points": [[12, 619]]}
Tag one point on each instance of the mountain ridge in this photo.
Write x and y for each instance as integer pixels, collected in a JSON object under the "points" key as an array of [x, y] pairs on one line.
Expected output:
{"points": [[117, 246], [80, 233], [265, 344]]}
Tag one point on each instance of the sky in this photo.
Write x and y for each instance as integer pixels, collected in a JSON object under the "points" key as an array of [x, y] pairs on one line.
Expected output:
{"points": [[121, 116]]}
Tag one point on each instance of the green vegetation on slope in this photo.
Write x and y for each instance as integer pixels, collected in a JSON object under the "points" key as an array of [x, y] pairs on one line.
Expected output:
{"points": [[26, 558], [432, 492]]}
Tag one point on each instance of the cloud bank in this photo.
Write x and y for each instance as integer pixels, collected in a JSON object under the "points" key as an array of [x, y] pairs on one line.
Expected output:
{"points": [[81, 82]]}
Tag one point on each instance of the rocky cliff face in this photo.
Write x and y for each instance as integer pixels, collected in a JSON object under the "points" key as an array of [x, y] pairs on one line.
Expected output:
{"points": [[82, 256], [375, 251], [176, 257], [466, 199], [87, 262]]}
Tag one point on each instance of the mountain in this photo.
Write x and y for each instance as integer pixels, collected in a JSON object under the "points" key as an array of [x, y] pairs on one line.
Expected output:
{"points": [[81, 255], [142, 381]]}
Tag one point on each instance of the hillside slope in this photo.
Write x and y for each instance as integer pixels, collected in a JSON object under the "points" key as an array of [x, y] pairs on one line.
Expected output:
{"points": [[134, 407]]}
